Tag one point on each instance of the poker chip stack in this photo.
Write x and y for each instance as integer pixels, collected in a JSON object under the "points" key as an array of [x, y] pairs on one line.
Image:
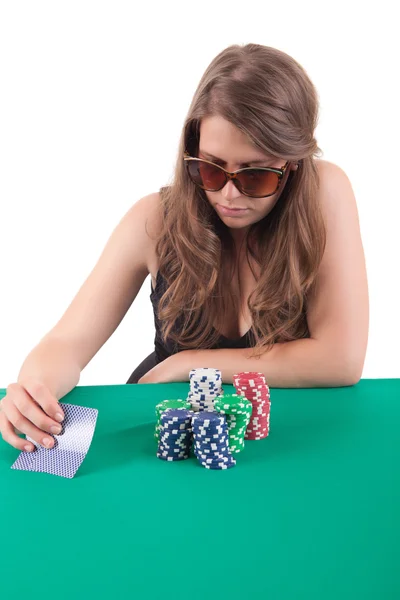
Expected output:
{"points": [[211, 440], [238, 413], [162, 406], [205, 387], [176, 434], [252, 385]]}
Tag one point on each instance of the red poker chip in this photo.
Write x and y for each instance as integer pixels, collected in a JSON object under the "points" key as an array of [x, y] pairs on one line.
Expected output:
{"points": [[250, 377], [253, 385], [260, 431], [247, 380], [260, 396], [259, 402], [246, 389], [257, 429], [249, 374], [254, 394], [260, 411]]}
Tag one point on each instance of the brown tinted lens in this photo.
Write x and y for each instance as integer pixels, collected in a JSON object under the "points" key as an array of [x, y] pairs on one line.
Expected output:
{"points": [[258, 183], [207, 176]]}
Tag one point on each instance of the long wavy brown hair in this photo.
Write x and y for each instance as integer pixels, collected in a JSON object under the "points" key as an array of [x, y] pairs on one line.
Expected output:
{"points": [[267, 95]]}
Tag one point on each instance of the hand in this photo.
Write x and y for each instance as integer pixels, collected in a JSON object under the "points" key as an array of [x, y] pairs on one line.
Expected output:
{"points": [[30, 408], [174, 368]]}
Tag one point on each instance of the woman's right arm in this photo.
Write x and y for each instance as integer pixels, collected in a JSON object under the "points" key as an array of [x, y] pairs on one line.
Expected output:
{"points": [[53, 367]]}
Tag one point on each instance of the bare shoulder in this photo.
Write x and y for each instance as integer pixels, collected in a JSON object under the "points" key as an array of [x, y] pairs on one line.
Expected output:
{"points": [[335, 193], [151, 213], [329, 171], [331, 174]]}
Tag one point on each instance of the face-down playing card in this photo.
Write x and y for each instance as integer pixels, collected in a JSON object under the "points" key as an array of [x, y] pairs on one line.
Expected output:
{"points": [[70, 448]]}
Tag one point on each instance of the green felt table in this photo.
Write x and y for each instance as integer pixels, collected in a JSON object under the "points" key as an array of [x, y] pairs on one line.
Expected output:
{"points": [[311, 512]]}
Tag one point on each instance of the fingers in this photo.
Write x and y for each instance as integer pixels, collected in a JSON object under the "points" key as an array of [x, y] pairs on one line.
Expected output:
{"points": [[28, 415], [33, 413], [18, 421], [42, 395], [9, 435]]}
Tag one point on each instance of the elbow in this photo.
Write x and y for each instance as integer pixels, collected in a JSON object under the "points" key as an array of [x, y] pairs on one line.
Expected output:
{"points": [[351, 371]]}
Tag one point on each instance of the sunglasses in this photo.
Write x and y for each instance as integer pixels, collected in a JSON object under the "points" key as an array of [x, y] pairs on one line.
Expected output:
{"points": [[254, 182]]}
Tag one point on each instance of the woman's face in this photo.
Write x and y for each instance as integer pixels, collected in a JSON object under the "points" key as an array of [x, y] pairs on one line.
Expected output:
{"points": [[221, 139]]}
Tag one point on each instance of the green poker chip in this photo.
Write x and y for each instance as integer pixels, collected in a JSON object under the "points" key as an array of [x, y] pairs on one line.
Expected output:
{"points": [[175, 403], [232, 404], [238, 411]]}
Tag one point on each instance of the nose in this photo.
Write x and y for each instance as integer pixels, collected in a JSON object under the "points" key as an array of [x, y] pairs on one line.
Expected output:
{"points": [[230, 191]]}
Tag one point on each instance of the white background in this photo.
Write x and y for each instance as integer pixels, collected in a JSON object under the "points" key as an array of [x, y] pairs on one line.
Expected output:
{"points": [[93, 92]]}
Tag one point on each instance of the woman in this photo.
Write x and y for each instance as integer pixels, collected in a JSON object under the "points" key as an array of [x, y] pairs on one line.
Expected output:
{"points": [[254, 251]]}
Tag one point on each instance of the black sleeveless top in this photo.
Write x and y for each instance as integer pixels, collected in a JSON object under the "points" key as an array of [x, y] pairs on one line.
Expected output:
{"points": [[164, 350]]}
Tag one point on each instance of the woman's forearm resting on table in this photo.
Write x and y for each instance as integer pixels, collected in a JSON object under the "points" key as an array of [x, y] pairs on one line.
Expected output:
{"points": [[296, 364]]}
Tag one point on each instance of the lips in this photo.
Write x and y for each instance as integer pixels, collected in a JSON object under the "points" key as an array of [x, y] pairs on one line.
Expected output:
{"points": [[231, 208]]}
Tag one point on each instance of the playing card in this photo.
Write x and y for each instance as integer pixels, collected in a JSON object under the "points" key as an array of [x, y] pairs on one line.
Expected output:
{"points": [[24, 461], [70, 448], [58, 462]]}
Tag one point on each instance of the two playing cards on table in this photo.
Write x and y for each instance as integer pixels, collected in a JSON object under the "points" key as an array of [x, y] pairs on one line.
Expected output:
{"points": [[70, 447]]}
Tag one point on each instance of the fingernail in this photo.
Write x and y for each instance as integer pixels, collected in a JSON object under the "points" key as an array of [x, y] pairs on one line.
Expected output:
{"points": [[55, 429], [47, 442], [59, 417], [28, 448]]}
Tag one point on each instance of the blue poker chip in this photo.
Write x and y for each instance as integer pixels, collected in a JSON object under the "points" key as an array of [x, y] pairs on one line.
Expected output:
{"points": [[210, 428], [172, 458], [204, 441], [174, 444], [215, 461], [215, 443], [206, 418], [175, 436], [170, 453], [174, 450], [213, 456], [208, 450], [210, 444], [173, 432], [211, 451], [206, 438], [216, 435], [217, 464], [175, 425], [177, 414], [219, 467]]}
